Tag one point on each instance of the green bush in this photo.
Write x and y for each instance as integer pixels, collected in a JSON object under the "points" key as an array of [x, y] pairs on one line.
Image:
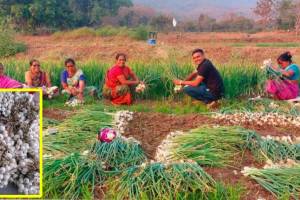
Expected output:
{"points": [[76, 33], [139, 33], [8, 45], [111, 31]]}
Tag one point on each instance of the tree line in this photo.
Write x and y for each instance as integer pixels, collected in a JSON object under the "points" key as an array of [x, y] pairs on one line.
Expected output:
{"points": [[30, 15], [52, 15]]}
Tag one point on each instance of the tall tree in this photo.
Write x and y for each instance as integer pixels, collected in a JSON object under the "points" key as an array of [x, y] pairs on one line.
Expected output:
{"points": [[297, 21], [162, 23], [265, 9], [286, 14], [206, 23]]}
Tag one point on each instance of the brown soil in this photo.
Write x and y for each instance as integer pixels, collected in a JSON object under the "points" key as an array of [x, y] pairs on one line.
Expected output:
{"points": [[99, 192], [233, 176], [56, 114]]}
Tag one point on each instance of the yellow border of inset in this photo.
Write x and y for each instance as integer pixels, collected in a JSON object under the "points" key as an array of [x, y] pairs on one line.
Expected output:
{"points": [[41, 144]]}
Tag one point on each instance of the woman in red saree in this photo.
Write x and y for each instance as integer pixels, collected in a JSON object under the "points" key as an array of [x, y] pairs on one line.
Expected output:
{"points": [[118, 82]]}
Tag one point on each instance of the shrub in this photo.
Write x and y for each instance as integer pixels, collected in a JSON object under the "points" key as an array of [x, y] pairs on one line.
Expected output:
{"points": [[111, 31], [139, 33], [8, 45]]}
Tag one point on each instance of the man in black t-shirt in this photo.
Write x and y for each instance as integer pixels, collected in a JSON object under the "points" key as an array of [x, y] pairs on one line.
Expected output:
{"points": [[205, 83]]}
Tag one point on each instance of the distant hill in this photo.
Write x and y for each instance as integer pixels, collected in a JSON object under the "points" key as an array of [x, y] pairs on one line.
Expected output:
{"points": [[193, 8]]}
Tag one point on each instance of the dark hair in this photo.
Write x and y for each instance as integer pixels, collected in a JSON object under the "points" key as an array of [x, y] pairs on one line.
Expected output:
{"points": [[32, 61], [121, 54], [286, 56], [198, 51], [69, 60]]}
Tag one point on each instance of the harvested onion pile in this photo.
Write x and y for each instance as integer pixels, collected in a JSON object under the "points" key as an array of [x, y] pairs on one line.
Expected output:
{"points": [[260, 119], [122, 119], [140, 88], [19, 142]]}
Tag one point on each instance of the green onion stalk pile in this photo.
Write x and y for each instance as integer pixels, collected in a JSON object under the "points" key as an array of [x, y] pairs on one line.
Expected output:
{"points": [[160, 181], [264, 148], [76, 175], [119, 154], [78, 131], [281, 182], [72, 176], [209, 146]]}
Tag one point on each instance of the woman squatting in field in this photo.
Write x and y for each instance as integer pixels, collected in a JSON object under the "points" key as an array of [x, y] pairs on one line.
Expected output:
{"points": [[285, 84], [73, 82], [119, 81], [36, 78]]}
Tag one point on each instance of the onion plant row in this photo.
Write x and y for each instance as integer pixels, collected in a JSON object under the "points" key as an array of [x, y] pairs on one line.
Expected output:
{"points": [[239, 80]]}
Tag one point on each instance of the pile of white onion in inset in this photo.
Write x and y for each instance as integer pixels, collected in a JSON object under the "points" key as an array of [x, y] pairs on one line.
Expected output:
{"points": [[19, 141], [122, 119], [260, 119]]}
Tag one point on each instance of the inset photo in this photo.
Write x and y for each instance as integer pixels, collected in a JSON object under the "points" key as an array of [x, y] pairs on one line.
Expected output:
{"points": [[20, 143]]}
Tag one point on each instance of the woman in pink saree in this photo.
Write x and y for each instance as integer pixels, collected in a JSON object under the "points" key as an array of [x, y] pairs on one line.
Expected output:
{"points": [[286, 86], [7, 82]]}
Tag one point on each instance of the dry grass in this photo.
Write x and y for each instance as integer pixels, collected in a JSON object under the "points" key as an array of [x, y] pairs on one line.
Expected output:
{"points": [[220, 47]]}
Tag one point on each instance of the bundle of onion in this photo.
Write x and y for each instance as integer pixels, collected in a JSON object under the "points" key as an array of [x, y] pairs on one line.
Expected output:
{"points": [[177, 88], [280, 181], [209, 146], [50, 91], [259, 118], [140, 88], [160, 181], [122, 118]]}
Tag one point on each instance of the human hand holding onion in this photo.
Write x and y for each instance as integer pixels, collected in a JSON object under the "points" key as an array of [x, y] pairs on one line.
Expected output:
{"points": [[178, 85], [140, 87]]}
